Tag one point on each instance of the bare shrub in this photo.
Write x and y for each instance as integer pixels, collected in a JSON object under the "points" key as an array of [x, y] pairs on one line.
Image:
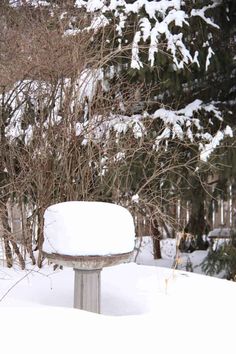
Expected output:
{"points": [[70, 125]]}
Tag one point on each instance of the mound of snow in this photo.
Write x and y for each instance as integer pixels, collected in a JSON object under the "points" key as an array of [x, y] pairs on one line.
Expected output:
{"points": [[158, 308], [88, 228]]}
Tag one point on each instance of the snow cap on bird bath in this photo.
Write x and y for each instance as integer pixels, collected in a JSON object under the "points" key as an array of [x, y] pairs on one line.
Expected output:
{"points": [[88, 228], [88, 236]]}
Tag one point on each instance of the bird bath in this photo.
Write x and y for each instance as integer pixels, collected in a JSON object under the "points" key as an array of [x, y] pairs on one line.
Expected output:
{"points": [[88, 236]]}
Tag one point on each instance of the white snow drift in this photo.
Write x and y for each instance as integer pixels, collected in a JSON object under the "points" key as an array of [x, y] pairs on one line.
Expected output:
{"points": [[88, 228]]}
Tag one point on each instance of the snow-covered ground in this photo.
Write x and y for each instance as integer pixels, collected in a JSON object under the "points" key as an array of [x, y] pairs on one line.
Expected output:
{"points": [[145, 309], [170, 259]]}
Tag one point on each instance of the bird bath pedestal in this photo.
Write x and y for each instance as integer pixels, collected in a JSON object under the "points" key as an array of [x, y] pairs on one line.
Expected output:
{"points": [[88, 236], [87, 281]]}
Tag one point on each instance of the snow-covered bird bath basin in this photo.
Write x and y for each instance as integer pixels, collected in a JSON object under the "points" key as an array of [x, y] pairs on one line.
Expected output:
{"points": [[88, 236]]}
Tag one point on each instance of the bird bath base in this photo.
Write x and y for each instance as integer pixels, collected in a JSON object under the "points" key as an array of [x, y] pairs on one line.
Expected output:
{"points": [[87, 283]]}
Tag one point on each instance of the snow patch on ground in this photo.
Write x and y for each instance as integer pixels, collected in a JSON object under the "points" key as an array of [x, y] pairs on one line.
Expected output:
{"points": [[142, 306], [154, 306], [171, 257]]}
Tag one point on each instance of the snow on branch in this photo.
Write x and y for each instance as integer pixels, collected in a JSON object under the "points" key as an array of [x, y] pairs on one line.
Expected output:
{"points": [[189, 124], [154, 26], [186, 123], [36, 3], [202, 13], [183, 124], [155, 20]]}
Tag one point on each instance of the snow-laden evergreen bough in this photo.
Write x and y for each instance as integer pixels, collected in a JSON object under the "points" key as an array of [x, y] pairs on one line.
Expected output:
{"points": [[157, 26]]}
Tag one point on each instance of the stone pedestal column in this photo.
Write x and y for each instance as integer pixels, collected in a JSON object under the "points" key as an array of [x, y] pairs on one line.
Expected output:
{"points": [[87, 289], [87, 285]]}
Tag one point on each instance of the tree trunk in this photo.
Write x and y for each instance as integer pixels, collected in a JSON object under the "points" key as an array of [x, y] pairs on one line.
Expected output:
{"points": [[9, 241], [40, 238], [156, 239], [8, 252]]}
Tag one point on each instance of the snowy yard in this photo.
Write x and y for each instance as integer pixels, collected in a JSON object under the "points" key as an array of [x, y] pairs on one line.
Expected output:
{"points": [[145, 309], [131, 102]]}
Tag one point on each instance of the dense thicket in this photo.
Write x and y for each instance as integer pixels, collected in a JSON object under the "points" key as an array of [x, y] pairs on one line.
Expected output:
{"points": [[113, 101]]}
